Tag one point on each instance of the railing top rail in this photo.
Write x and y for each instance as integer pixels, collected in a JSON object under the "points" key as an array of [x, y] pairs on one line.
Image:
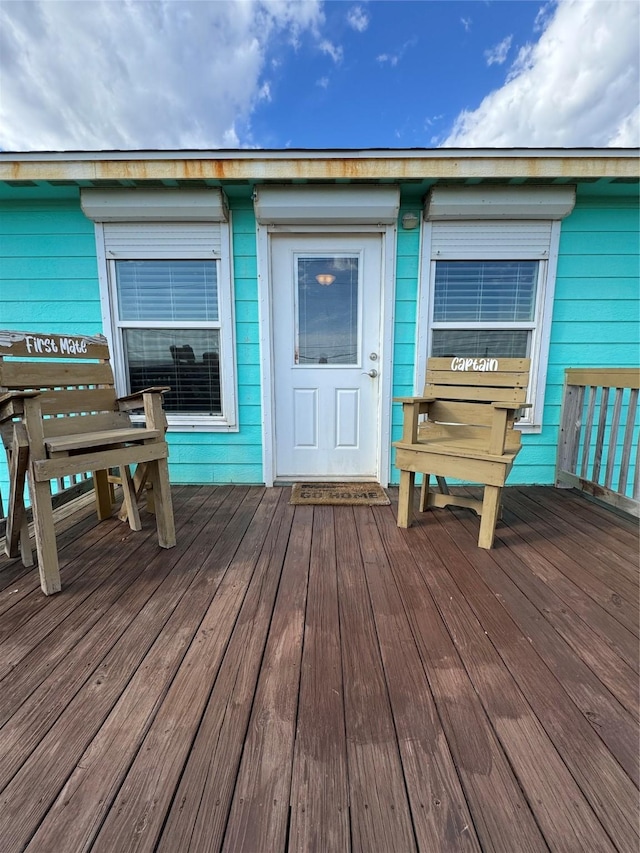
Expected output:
{"points": [[604, 377]]}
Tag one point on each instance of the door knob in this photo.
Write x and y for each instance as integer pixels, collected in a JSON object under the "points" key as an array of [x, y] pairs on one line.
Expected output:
{"points": [[372, 373]]}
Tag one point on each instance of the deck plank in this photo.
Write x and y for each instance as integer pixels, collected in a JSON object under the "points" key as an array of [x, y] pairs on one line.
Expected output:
{"points": [[60, 752], [198, 814], [490, 786], [146, 706], [317, 679], [380, 815], [319, 786], [500, 570], [548, 784], [559, 548], [567, 742], [571, 502], [259, 813], [136, 818], [87, 634], [438, 805], [565, 576], [617, 562]]}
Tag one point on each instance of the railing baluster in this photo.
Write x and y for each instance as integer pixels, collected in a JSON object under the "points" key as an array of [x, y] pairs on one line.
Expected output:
{"points": [[602, 423], [627, 442], [612, 445], [588, 429], [570, 427]]}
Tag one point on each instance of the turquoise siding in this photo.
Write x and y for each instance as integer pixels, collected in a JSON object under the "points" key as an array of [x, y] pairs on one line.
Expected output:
{"points": [[214, 457], [48, 268], [49, 280], [595, 316], [405, 317]]}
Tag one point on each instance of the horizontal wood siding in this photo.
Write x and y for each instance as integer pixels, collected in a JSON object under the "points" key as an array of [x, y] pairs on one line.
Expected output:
{"points": [[49, 278], [595, 314], [48, 272], [206, 457], [49, 281], [406, 309]]}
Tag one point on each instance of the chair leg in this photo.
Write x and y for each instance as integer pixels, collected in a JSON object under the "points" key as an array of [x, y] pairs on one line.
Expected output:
{"points": [[489, 519], [45, 534], [103, 494], [159, 475], [129, 503], [139, 485], [424, 493], [17, 530], [405, 498]]}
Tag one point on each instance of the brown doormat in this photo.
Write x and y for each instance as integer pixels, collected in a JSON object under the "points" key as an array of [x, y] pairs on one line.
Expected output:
{"points": [[339, 494]]}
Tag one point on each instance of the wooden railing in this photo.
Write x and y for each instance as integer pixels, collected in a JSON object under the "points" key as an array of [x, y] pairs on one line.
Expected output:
{"points": [[598, 441]]}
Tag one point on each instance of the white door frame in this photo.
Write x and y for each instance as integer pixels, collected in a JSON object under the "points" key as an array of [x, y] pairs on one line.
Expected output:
{"points": [[265, 290]]}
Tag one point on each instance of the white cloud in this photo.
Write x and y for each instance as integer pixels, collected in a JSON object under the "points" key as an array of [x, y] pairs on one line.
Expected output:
{"points": [[577, 86], [394, 58], [121, 74], [387, 57], [466, 23], [323, 82], [497, 55], [332, 50], [358, 19]]}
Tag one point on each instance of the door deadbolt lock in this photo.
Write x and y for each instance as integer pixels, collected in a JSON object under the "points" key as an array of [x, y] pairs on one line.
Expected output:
{"points": [[374, 356]]}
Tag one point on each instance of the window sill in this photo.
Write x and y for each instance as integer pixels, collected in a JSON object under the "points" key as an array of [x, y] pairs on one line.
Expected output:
{"points": [[529, 429], [185, 423]]}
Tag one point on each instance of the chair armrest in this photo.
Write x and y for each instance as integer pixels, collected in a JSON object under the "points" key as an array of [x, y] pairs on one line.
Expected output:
{"points": [[11, 403], [412, 408], [516, 408], [504, 416], [414, 399], [151, 401], [136, 401], [513, 406]]}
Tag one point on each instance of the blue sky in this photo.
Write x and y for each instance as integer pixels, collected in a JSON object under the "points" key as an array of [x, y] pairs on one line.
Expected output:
{"points": [[134, 74], [400, 82]]}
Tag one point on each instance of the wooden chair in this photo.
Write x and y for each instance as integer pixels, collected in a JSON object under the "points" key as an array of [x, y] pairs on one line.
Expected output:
{"points": [[60, 417], [471, 406]]}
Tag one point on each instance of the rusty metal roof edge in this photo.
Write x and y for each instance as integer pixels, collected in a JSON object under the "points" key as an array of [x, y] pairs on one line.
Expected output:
{"points": [[319, 164], [315, 153]]}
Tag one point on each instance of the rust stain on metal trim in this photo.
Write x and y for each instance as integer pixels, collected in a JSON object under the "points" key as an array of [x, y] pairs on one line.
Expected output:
{"points": [[326, 168]]}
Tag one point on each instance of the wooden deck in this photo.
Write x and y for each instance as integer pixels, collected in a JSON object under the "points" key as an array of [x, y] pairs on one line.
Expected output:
{"points": [[315, 679]]}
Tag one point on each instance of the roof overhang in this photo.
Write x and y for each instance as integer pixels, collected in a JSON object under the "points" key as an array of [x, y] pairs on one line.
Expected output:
{"points": [[327, 165]]}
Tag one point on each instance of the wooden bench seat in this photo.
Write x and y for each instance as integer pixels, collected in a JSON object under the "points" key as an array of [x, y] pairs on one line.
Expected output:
{"points": [[66, 444], [462, 427], [60, 417]]}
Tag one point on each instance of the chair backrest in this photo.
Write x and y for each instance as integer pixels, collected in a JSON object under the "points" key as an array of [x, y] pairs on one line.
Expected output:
{"points": [[73, 375], [464, 390]]}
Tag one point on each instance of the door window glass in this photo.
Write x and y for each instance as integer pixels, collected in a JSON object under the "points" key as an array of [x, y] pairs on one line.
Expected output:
{"points": [[327, 310]]}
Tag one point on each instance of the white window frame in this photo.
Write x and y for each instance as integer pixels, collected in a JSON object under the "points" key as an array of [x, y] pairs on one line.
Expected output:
{"points": [[112, 325], [540, 328]]}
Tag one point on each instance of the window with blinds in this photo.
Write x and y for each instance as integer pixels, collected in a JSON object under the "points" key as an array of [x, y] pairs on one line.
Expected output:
{"points": [[167, 290], [490, 257], [484, 308], [163, 307]]}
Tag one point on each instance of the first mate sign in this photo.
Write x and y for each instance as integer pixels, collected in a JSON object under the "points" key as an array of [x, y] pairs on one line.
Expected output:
{"points": [[46, 345]]}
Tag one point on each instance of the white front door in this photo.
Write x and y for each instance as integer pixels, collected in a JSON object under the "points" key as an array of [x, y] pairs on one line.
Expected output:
{"points": [[326, 348]]}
